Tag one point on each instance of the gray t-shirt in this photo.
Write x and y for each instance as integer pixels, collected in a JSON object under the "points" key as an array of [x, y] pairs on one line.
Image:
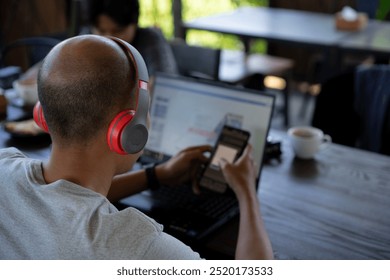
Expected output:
{"points": [[63, 220]]}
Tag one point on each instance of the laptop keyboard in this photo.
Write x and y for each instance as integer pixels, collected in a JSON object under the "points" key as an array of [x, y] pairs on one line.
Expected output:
{"points": [[207, 203]]}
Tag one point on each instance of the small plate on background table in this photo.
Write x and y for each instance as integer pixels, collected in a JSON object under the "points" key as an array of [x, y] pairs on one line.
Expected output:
{"points": [[24, 128]]}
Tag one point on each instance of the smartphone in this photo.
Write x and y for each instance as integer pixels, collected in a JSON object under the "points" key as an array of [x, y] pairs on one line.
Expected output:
{"points": [[229, 146]]}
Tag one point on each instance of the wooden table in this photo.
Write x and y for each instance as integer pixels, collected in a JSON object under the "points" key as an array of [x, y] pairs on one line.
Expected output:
{"points": [[279, 25], [373, 40], [333, 207], [299, 29], [35, 147]]}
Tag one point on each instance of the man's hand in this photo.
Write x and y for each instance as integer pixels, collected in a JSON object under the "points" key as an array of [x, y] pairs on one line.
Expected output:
{"points": [[183, 167], [253, 241], [241, 175]]}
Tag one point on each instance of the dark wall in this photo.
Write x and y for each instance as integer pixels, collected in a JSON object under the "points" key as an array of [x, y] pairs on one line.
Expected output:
{"points": [[25, 18]]}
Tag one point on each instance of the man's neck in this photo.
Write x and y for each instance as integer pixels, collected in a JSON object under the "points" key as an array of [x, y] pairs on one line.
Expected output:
{"points": [[91, 167]]}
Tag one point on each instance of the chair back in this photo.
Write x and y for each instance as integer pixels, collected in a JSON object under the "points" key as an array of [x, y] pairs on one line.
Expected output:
{"points": [[26, 52], [372, 104], [334, 110], [196, 61]]}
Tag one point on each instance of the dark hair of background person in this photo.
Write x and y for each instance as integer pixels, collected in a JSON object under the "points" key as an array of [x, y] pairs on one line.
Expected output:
{"points": [[123, 12]]}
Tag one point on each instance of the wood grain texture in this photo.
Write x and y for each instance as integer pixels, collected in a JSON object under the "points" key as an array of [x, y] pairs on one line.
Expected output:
{"points": [[336, 206]]}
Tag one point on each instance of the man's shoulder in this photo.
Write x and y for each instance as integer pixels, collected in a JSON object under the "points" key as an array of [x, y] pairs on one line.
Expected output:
{"points": [[153, 242], [11, 153], [136, 218], [150, 35], [150, 31]]}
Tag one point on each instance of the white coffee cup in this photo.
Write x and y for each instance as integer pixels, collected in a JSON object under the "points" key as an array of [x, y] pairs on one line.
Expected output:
{"points": [[306, 141], [27, 90]]}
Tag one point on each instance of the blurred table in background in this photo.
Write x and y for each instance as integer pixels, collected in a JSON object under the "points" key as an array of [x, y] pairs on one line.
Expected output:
{"points": [[272, 24], [373, 40], [33, 146], [299, 29], [237, 67]]}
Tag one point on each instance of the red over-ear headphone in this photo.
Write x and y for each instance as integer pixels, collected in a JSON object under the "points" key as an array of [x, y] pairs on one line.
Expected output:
{"points": [[127, 132]]}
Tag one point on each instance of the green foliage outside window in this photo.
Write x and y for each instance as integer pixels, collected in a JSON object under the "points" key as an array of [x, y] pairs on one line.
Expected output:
{"points": [[159, 13], [384, 9]]}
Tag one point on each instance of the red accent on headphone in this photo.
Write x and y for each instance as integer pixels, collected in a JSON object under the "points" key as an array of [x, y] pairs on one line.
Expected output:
{"points": [[143, 85], [39, 118], [116, 128]]}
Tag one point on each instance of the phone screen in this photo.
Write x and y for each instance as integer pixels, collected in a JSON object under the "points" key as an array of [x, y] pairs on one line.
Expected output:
{"points": [[223, 152], [229, 147]]}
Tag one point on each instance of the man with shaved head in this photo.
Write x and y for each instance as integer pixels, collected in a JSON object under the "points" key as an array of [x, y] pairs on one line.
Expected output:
{"points": [[60, 208]]}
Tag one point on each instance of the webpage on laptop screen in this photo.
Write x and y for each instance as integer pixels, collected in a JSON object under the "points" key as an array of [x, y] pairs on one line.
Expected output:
{"points": [[187, 113]]}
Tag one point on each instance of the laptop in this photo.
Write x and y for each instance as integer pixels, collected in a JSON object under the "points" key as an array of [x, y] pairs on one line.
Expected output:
{"points": [[187, 112]]}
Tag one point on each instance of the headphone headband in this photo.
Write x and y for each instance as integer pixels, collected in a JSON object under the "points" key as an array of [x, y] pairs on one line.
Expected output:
{"points": [[135, 56], [129, 136]]}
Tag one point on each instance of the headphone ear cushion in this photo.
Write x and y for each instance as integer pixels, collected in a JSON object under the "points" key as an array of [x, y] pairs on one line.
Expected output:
{"points": [[39, 118], [115, 131], [134, 137]]}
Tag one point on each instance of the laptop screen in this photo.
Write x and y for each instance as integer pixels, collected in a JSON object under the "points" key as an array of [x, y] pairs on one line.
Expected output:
{"points": [[187, 112]]}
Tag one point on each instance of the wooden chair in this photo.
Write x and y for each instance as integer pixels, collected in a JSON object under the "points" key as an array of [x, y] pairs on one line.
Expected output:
{"points": [[354, 108], [372, 104]]}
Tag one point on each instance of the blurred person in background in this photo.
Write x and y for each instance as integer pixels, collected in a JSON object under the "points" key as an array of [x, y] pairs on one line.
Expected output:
{"points": [[119, 18]]}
